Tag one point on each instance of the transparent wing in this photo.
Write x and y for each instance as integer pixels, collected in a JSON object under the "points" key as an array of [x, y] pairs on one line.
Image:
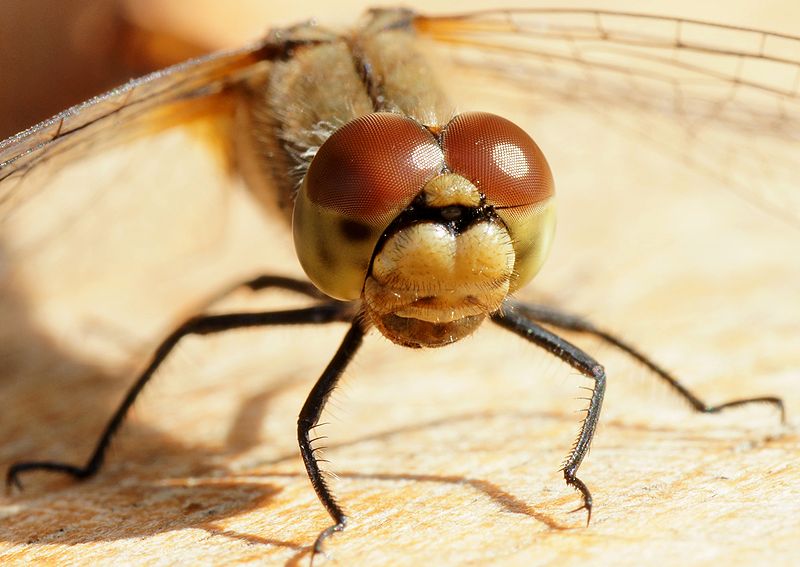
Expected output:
{"points": [[734, 92], [100, 118], [129, 188]]}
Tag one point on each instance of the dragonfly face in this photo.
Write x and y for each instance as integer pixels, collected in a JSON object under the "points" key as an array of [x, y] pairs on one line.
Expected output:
{"points": [[389, 202]]}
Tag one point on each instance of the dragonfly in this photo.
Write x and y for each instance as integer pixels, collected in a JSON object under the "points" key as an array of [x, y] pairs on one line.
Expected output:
{"points": [[354, 246]]}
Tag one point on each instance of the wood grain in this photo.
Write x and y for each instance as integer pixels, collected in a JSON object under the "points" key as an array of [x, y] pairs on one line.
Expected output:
{"points": [[443, 457]]}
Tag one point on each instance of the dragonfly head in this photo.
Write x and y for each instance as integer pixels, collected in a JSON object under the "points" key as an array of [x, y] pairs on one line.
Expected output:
{"points": [[433, 231]]}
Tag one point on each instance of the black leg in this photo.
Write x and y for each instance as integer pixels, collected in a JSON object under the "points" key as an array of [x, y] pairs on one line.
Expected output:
{"points": [[567, 321], [309, 418], [518, 322], [332, 311], [280, 282]]}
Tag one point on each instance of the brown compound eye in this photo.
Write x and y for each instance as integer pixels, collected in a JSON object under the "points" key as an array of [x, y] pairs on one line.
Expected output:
{"points": [[495, 154], [373, 167], [363, 176]]}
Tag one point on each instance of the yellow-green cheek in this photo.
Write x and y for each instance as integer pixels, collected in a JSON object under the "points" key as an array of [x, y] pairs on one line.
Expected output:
{"points": [[334, 251], [532, 235]]}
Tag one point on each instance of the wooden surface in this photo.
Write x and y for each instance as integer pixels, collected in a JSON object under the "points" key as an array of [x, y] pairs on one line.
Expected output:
{"points": [[444, 457]]}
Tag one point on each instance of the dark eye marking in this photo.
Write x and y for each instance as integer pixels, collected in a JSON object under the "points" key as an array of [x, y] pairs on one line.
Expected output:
{"points": [[354, 231]]}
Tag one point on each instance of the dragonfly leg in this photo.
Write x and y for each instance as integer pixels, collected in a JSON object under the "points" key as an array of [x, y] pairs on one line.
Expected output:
{"points": [[261, 282], [332, 311], [570, 322], [518, 322], [308, 420]]}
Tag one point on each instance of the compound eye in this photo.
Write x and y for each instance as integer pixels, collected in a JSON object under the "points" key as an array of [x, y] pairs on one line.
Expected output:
{"points": [[363, 176], [496, 155], [373, 167]]}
